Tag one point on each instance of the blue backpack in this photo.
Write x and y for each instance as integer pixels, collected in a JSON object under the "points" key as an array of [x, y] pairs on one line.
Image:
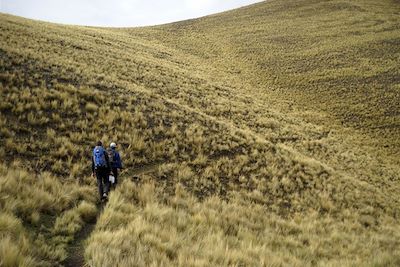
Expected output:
{"points": [[98, 157]]}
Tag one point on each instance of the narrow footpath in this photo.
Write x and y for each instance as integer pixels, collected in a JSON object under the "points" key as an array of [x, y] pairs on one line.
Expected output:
{"points": [[76, 249]]}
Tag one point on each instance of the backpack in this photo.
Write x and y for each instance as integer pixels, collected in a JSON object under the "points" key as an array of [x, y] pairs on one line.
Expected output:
{"points": [[98, 157], [111, 156]]}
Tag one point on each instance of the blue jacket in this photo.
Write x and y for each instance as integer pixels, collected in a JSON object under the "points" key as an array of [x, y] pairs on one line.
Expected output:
{"points": [[117, 161]]}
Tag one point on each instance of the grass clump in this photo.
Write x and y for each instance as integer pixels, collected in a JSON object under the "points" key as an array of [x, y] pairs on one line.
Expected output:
{"points": [[38, 217], [182, 231]]}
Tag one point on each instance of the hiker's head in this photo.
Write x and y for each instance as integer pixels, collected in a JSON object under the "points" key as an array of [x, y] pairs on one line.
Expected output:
{"points": [[99, 143], [113, 145]]}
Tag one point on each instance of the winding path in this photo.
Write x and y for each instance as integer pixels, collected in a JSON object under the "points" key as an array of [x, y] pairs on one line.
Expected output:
{"points": [[76, 249]]}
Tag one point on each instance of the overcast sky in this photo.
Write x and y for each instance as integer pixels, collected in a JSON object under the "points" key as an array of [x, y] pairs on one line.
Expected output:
{"points": [[117, 12]]}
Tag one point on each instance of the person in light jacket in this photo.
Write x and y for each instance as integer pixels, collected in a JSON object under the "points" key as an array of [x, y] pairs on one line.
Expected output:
{"points": [[115, 161]]}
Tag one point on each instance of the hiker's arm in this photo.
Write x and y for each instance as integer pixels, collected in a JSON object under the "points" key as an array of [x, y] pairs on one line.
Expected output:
{"points": [[118, 158], [92, 166]]}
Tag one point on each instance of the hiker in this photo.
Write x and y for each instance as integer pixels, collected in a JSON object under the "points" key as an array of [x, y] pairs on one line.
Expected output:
{"points": [[115, 161], [101, 169]]}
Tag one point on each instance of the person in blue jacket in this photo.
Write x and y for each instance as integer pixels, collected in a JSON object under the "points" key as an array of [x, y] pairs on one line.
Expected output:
{"points": [[101, 168], [115, 161]]}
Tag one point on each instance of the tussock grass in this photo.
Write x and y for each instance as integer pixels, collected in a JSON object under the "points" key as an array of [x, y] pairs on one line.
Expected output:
{"points": [[181, 231], [38, 216]]}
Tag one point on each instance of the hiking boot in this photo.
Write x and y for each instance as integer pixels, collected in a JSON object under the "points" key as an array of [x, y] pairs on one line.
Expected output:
{"points": [[104, 198]]}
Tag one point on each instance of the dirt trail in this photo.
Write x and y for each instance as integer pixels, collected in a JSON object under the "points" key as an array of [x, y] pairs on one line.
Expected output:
{"points": [[76, 249], [151, 167]]}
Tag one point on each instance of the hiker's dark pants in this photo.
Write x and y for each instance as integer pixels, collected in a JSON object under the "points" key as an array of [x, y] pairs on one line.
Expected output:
{"points": [[115, 173], [102, 178]]}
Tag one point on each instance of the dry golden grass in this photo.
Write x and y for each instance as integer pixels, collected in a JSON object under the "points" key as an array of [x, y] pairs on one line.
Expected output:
{"points": [[141, 228], [240, 173], [38, 216]]}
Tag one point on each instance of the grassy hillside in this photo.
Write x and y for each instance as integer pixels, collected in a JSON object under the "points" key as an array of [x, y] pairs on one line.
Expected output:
{"points": [[340, 57], [246, 160]]}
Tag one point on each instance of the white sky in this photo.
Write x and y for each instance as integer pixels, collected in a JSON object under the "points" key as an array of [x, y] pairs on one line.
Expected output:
{"points": [[117, 13]]}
